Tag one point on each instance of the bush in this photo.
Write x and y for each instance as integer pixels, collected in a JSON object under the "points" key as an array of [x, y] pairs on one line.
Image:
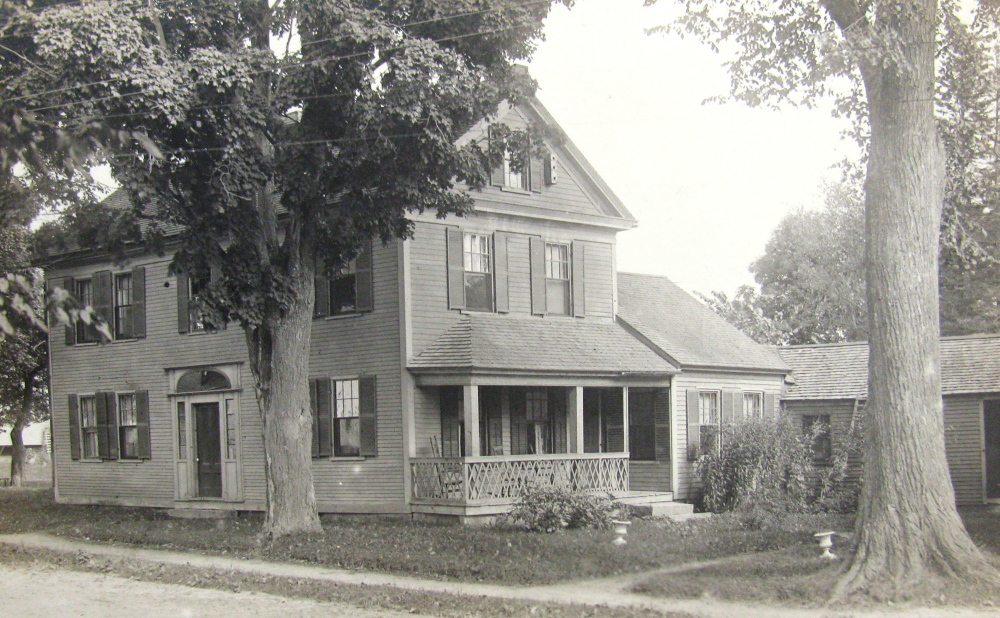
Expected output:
{"points": [[766, 466], [550, 510]]}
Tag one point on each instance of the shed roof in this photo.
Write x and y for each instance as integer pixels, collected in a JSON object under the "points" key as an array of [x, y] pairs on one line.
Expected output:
{"points": [[686, 330], [501, 343], [969, 364]]}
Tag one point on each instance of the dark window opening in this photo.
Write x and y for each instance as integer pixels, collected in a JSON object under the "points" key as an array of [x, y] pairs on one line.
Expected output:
{"points": [[817, 426]]}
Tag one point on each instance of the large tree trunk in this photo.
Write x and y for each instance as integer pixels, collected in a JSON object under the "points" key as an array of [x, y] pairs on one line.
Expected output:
{"points": [[908, 527], [19, 455], [279, 350]]}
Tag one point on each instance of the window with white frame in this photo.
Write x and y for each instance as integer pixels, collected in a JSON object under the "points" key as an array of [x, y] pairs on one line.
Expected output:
{"points": [[85, 333], [88, 426], [478, 264], [346, 421], [123, 306], [709, 419], [536, 408], [515, 170], [557, 279], [128, 427], [753, 405]]}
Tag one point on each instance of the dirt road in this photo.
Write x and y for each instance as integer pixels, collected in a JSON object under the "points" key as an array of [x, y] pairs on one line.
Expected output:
{"points": [[43, 592]]}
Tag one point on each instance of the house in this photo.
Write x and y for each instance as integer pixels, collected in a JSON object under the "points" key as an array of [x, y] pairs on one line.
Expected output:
{"points": [[448, 371], [831, 386], [35, 438]]}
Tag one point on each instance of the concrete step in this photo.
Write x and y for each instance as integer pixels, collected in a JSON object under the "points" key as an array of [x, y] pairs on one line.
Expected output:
{"points": [[662, 509], [644, 497]]}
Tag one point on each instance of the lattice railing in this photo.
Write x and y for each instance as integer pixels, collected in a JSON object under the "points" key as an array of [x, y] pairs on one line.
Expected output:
{"points": [[496, 480]]}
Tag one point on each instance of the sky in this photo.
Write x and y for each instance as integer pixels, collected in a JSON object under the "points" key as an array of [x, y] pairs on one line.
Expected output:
{"points": [[707, 183]]}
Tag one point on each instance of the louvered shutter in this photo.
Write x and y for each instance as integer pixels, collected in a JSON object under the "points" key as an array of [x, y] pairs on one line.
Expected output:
{"points": [[739, 414], [74, 427], [321, 308], [769, 401], [578, 283], [324, 422], [727, 406], [363, 279], [537, 249], [693, 425], [661, 420], [139, 302], [69, 284], [104, 297], [537, 172], [101, 407], [368, 416], [496, 173], [500, 272], [111, 407], [313, 386], [456, 269], [143, 448], [183, 303]]}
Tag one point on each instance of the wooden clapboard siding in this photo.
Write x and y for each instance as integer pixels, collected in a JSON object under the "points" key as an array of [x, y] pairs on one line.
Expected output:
{"points": [[428, 306], [841, 413], [598, 278], [356, 345], [519, 274], [686, 473], [133, 365], [427, 421], [649, 476], [963, 438]]}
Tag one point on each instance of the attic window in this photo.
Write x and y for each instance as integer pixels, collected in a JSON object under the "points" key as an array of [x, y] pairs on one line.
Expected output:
{"points": [[199, 380]]}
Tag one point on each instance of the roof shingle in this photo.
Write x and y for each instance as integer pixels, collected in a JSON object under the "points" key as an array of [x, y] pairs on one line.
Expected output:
{"points": [[687, 330]]}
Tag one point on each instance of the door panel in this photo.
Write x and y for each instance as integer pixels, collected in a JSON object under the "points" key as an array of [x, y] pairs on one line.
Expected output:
{"points": [[991, 435], [209, 449]]}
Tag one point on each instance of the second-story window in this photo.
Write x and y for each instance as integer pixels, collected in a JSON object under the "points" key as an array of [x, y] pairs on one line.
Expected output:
{"points": [[123, 306], [85, 333], [557, 292], [344, 291], [197, 287], [515, 171], [477, 259]]}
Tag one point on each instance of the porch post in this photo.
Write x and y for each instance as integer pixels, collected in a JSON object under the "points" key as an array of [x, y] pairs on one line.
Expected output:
{"points": [[574, 420], [625, 419], [470, 416]]}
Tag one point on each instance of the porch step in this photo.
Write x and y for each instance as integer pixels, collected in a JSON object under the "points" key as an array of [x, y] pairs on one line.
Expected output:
{"points": [[655, 504], [643, 497]]}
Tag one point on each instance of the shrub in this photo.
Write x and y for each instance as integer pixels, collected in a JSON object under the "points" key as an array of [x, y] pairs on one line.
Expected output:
{"points": [[550, 510], [766, 466]]}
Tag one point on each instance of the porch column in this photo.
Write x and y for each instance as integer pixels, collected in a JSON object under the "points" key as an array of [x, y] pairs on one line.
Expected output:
{"points": [[625, 419], [470, 416], [574, 420]]}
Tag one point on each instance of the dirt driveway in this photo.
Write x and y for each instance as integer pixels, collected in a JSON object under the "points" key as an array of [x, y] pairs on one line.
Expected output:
{"points": [[46, 591]]}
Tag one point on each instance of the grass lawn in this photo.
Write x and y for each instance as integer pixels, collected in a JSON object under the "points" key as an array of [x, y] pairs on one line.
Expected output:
{"points": [[796, 576], [426, 550]]}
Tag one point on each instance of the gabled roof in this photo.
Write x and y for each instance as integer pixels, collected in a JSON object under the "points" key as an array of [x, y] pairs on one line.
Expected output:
{"points": [[686, 330], [969, 364], [490, 342]]}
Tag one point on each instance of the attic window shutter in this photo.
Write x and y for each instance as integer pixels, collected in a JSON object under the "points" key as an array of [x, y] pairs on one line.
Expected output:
{"points": [[74, 427], [183, 303], [363, 279], [104, 298], [322, 306], [693, 425], [142, 424], [139, 302], [324, 419], [496, 173], [537, 250], [456, 270], [537, 172], [551, 169], [368, 416], [69, 284], [579, 280], [500, 272], [661, 420]]}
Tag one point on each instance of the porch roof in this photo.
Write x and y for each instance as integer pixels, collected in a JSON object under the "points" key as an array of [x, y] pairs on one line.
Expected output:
{"points": [[969, 364], [560, 345]]}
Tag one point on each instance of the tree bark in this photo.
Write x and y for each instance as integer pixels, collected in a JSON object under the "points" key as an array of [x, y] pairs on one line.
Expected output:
{"points": [[908, 526], [19, 456]]}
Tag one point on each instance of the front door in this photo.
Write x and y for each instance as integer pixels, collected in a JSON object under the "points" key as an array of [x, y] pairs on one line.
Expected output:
{"points": [[991, 439], [209, 449]]}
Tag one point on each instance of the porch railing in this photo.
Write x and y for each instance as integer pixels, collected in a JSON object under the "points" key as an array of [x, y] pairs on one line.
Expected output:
{"points": [[499, 480]]}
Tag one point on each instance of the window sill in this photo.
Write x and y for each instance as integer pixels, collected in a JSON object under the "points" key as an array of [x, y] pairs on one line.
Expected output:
{"points": [[340, 316], [517, 190], [335, 458]]}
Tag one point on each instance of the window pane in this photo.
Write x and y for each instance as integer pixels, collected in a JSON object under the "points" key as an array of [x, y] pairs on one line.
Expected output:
{"points": [[709, 408], [230, 429], [85, 333], [343, 294], [476, 255], [123, 306], [753, 405], [346, 398], [88, 426], [348, 439], [478, 291], [557, 297], [181, 431], [126, 409]]}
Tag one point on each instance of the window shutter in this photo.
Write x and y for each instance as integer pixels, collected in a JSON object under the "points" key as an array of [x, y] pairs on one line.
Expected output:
{"points": [[661, 421], [322, 306], [111, 406], [500, 271], [496, 173], [139, 302], [693, 425], [183, 304], [313, 386], [74, 427], [456, 269], [739, 414], [537, 173], [363, 278], [324, 421], [578, 280], [104, 297], [69, 284], [101, 406], [368, 422], [551, 169], [143, 450], [768, 405], [728, 398], [537, 248]]}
